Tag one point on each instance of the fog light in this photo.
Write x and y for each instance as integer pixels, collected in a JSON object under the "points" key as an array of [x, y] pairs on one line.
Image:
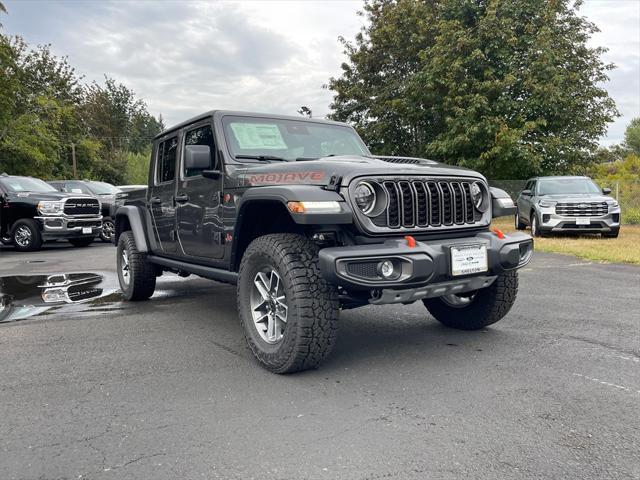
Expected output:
{"points": [[386, 269]]}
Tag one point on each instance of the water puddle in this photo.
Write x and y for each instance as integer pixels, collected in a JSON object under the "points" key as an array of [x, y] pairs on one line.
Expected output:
{"points": [[25, 296]]}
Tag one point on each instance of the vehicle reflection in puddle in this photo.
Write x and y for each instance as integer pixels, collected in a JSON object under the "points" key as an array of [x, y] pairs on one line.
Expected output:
{"points": [[24, 296]]}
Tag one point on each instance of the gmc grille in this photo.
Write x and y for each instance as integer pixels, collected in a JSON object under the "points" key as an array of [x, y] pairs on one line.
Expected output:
{"points": [[82, 206], [582, 209], [427, 203]]}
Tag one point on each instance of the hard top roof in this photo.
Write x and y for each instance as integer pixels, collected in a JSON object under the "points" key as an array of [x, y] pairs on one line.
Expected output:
{"points": [[212, 113]]}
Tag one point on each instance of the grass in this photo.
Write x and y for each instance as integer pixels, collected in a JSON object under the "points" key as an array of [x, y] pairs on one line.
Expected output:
{"points": [[624, 249]]}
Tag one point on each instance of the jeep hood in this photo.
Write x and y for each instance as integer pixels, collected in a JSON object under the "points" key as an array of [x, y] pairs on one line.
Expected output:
{"points": [[321, 171]]}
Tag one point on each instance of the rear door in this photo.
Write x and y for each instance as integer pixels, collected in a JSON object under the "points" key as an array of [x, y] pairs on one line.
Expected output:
{"points": [[162, 190], [198, 199]]}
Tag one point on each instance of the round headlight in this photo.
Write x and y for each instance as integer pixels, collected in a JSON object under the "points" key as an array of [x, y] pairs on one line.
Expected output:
{"points": [[479, 196], [365, 197]]}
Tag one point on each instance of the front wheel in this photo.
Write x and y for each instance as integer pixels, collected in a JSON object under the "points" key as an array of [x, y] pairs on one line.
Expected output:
{"points": [[136, 275], [289, 313], [478, 309], [108, 229], [612, 234], [535, 226], [518, 223], [25, 235]]}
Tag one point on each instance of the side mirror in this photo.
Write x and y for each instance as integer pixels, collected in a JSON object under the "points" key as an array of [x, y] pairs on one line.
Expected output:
{"points": [[197, 157], [501, 203], [526, 193], [606, 191], [213, 174]]}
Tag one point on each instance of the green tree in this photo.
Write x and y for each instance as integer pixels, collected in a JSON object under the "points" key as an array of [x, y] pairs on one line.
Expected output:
{"points": [[632, 136], [508, 87]]}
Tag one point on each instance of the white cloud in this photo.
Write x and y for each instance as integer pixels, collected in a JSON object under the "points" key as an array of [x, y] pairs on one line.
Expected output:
{"points": [[187, 57]]}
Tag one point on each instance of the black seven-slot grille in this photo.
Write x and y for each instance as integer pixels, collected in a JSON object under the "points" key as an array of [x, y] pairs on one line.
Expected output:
{"points": [[427, 203], [582, 209], [82, 206]]}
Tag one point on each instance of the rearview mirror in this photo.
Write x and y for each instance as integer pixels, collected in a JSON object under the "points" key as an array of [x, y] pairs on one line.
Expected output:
{"points": [[526, 193], [606, 191], [197, 157]]}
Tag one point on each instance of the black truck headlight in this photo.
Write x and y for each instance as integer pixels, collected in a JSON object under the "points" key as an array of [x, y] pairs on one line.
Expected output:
{"points": [[365, 197]]}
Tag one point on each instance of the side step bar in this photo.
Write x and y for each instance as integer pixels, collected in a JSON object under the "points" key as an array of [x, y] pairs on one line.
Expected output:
{"points": [[201, 270]]}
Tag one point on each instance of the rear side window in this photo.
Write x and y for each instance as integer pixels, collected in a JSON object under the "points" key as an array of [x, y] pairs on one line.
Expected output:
{"points": [[199, 136], [166, 169]]}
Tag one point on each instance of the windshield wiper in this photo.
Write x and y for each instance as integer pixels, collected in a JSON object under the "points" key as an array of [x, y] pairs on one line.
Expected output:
{"points": [[262, 158]]}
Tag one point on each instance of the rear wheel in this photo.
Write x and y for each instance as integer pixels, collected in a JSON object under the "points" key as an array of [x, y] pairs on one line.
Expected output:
{"points": [[136, 275], [478, 309], [289, 313], [25, 235], [81, 241]]}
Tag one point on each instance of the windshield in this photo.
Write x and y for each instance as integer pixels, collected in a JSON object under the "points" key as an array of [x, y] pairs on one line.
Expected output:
{"points": [[291, 140], [552, 186], [26, 184], [103, 188]]}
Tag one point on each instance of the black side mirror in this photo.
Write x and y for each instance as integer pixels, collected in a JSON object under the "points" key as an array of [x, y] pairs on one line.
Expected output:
{"points": [[606, 191], [213, 174], [197, 157], [526, 193], [501, 203]]}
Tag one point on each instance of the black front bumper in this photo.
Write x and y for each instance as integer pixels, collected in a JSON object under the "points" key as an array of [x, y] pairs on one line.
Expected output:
{"points": [[424, 269]]}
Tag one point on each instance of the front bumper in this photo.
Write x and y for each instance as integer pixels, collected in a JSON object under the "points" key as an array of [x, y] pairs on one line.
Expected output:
{"points": [[426, 269], [552, 222], [56, 227]]}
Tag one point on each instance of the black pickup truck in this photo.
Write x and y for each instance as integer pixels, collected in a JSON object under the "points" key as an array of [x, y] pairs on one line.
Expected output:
{"points": [[31, 211], [300, 215]]}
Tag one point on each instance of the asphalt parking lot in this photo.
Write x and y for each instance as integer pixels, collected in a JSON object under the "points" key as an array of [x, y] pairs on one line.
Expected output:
{"points": [[167, 389]]}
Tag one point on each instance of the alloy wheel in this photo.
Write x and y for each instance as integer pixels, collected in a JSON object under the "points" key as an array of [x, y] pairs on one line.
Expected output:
{"points": [[125, 271], [268, 305], [23, 236]]}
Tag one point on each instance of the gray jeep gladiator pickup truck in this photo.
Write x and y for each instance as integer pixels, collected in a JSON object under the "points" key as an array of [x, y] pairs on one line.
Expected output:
{"points": [[305, 221]]}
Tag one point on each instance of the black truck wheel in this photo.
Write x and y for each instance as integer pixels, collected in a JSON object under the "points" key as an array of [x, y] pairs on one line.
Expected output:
{"points": [[136, 275], [289, 313], [81, 241], [25, 235], [476, 310], [108, 229]]}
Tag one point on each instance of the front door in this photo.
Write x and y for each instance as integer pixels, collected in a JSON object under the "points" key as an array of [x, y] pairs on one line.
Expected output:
{"points": [[198, 200], [161, 195]]}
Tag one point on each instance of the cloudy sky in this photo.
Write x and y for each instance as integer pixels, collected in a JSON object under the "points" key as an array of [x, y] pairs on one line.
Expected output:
{"points": [[187, 57]]}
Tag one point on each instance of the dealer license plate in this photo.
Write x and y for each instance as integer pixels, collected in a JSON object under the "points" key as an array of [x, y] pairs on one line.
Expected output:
{"points": [[583, 221], [86, 230], [468, 259]]}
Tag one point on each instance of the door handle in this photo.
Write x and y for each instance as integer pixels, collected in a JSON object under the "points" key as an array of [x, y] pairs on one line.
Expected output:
{"points": [[181, 198], [156, 201]]}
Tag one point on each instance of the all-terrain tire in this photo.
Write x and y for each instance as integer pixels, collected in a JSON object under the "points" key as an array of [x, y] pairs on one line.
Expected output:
{"points": [[487, 306], [141, 273], [17, 235], [81, 241], [313, 305]]}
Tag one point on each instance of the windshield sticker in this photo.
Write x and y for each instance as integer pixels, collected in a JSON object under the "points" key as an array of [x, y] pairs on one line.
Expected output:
{"points": [[254, 136]]}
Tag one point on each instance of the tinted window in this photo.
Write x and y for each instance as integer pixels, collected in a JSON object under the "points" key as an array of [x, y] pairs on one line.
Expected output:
{"points": [[199, 136], [555, 186], [166, 170], [26, 184]]}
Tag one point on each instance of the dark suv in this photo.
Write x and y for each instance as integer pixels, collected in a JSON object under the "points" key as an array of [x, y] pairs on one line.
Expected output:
{"points": [[103, 190], [31, 211], [300, 215]]}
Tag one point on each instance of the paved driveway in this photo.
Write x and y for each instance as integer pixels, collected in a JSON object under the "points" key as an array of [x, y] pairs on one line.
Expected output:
{"points": [[167, 389]]}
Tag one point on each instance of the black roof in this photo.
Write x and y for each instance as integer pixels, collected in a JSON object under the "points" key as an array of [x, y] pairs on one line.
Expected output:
{"points": [[221, 113]]}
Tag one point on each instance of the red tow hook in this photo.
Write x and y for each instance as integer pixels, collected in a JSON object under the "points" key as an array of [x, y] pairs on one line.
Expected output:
{"points": [[498, 233], [411, 242]]}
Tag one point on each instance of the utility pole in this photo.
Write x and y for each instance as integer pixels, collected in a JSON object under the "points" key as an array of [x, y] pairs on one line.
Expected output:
{"points": [[73, 159]]}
